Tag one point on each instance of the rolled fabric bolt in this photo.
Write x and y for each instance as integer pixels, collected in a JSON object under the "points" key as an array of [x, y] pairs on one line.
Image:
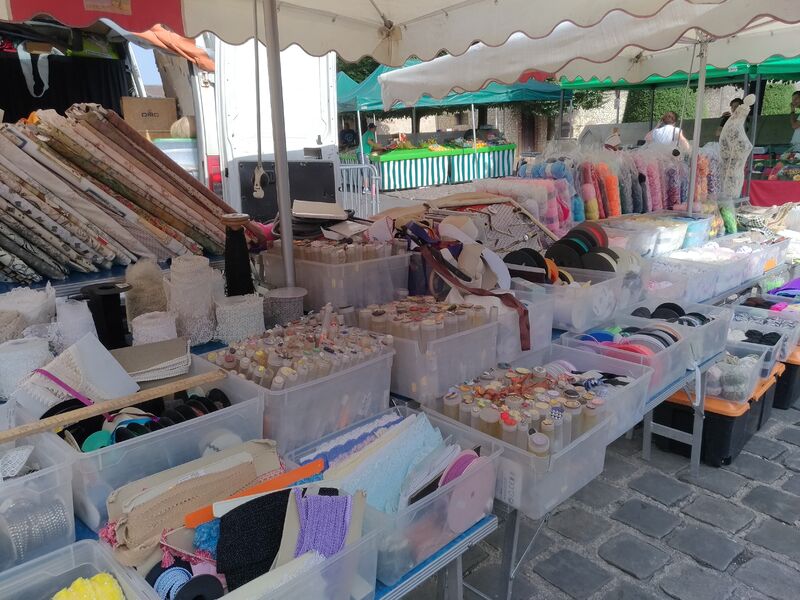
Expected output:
{"points": [[364, 318], [600, 407], [212, 357], [450, 323], [378, 323], [427, 334], [277, 383], [244, 365], [514, 402], [547, 427], [534, 418], [464, 411], [508, 429], [558, 426], [475, 417], [451, 402], [539, 446], [463, 320], [589, 417], [539, 375], [490, 421], [523, 428], [566, 430]]}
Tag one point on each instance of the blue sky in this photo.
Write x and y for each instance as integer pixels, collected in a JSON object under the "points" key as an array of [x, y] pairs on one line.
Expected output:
{"points": [[147, 65]]}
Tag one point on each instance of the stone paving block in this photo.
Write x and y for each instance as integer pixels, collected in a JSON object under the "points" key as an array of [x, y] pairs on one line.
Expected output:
{"points": [[472, 558], [628, 591], [790, 434], [770, 578], [789, 415], [778, 537], [715, 480], [632, 555], [792, 461], [647, 518], [690, 582], [579, 525], [792, 485], [573, 574], [666, 462], [626, 447], [706, 546], [719, 513], [617, 469], [489, 580], [598, 494], [754, 467], [660, 487], [775, 503], [527, 528], [763, 447]]}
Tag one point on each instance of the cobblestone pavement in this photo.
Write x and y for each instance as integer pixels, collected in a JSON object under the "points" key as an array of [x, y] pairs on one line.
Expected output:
{"points": [[648, 530]]}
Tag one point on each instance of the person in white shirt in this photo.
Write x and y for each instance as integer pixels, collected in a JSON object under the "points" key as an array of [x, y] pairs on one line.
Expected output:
{"points": [[669, 134]]}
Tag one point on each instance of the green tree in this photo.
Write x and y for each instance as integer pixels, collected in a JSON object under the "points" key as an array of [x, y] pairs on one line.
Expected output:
{"points": [[585, 99], [777, 96], [637, 108], [357, 71]]}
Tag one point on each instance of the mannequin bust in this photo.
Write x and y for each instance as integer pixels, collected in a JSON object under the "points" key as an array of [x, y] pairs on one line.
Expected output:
{"points": [[734, 149]]}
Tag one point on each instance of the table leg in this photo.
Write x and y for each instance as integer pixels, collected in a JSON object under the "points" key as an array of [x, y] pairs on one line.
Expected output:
{"points": [[449, 581], [647, 435], [699, 416]]}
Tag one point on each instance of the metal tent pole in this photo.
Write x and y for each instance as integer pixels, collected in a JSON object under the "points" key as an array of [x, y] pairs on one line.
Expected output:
{"points": [[360, 147], [279, 137], [698, 122], [474, 142], [753, 132]]}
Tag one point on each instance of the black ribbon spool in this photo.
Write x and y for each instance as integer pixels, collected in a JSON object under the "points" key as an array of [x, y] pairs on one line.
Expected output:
{"points": [[107, 313], [201, 587]]}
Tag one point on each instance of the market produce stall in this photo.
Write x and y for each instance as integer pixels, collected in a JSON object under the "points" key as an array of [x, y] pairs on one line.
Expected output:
{"points": [[402, 169]]}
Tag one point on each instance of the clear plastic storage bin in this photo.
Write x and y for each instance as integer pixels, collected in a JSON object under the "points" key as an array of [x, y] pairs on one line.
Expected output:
{"points": [[540, 318], [305, 413], [48, 493], [750, 377], [425, 373], [790, 329], [96, 474], [355, 284], [626, 408], [348, 575], [640, 241], [668, 365], [578, 308], [670, 233], [706, 340], [410, 536], [45, 577], [770, 354], [702, 280]]}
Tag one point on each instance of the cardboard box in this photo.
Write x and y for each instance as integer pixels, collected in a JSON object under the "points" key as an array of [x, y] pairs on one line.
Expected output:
{"points": [[152, 117]]}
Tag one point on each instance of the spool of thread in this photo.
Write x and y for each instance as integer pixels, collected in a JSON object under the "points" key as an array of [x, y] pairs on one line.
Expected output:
{"points": [[238, 276], [153, 327], [18, 358], [106, 308]]}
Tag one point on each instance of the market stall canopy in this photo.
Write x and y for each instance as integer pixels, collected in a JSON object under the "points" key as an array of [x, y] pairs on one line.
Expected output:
{"points": [[367, 95], [388, 30], [344, 84], [620, 46]]}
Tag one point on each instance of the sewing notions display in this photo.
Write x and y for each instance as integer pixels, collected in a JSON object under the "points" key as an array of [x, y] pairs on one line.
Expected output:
{"points": [[313, 348], [514, 404]]}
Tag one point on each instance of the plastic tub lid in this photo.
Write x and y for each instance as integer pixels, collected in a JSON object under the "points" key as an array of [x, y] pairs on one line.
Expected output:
{"points": [[287, 292]]}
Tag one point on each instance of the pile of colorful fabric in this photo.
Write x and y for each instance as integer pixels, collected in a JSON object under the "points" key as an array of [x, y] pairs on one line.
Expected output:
{"points": [[86, 191]]}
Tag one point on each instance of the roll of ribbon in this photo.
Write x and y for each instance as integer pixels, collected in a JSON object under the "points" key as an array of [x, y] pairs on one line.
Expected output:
{"points": [[153, 327]]}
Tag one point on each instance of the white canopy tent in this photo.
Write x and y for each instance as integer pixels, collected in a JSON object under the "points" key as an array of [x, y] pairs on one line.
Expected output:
{"points": [[388, 30], [680, 37]]}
